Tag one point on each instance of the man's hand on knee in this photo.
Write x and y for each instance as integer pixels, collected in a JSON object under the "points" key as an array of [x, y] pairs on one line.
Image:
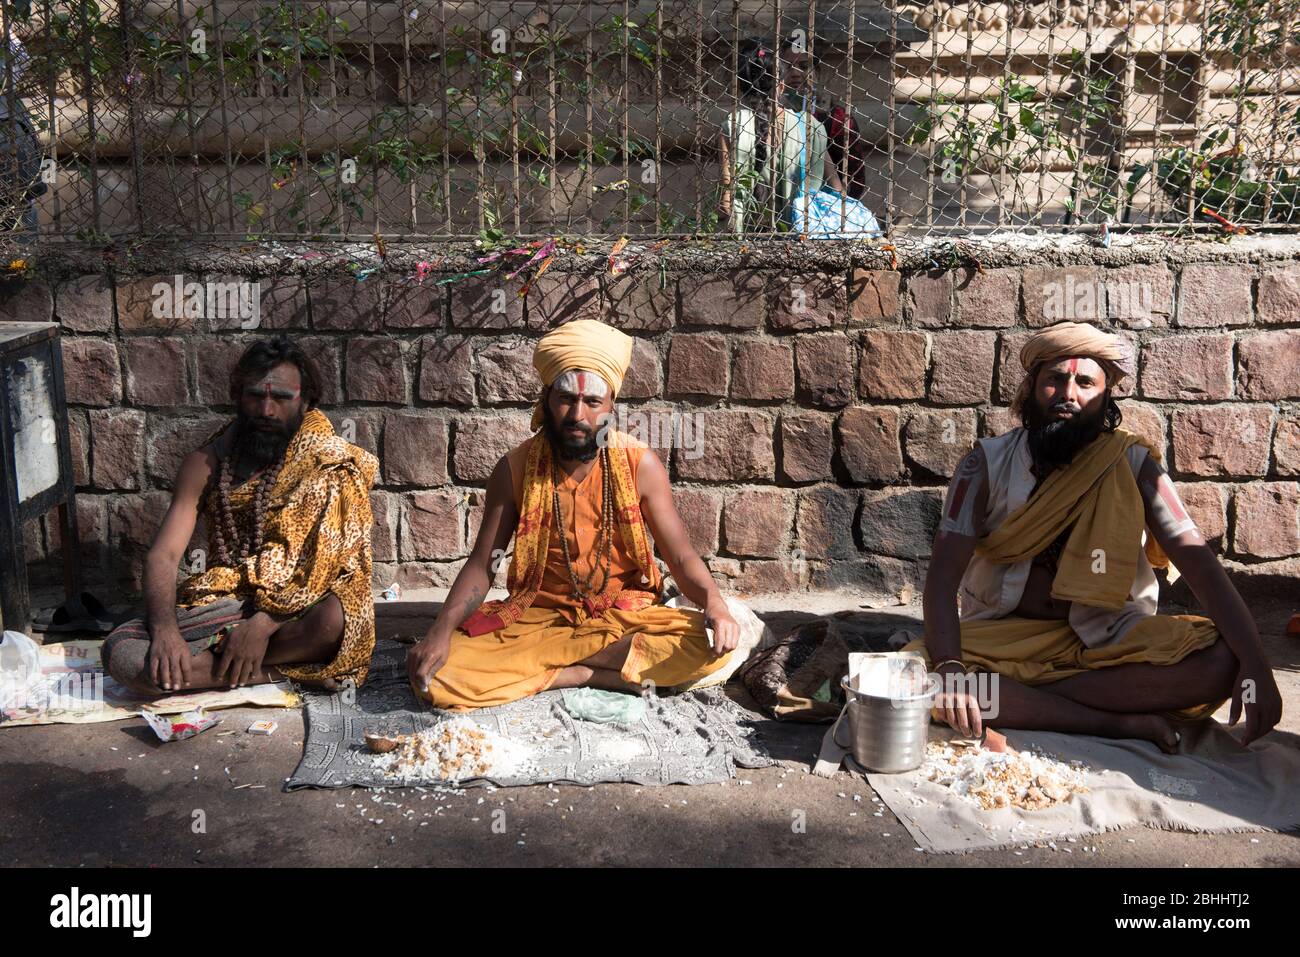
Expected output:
{"points": [[244, 650], [169, 658], [726, 633]]}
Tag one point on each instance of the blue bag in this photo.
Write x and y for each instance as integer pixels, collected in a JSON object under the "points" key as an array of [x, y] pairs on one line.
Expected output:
{"points": [[826, 208]]}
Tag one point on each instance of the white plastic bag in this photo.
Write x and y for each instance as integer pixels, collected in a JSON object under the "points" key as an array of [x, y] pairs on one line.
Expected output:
{"points": [[754, 636], [22, 686]]}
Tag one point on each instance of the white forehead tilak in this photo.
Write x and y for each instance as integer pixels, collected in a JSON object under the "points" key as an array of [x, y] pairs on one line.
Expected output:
{"points": [[582, 382], [1078, 365]]}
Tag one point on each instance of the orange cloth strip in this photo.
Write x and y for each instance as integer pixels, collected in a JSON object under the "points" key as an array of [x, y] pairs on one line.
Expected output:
{"points": [[533, 538]]}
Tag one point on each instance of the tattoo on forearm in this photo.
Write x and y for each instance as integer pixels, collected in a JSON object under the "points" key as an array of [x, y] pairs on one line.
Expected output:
{"points": [[472, 601]]}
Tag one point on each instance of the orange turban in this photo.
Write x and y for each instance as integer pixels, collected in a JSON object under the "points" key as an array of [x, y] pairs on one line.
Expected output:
{"points": [[1068, 339], [582, 344]]}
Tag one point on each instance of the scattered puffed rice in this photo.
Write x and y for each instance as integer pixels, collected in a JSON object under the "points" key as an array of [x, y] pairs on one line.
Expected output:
{"points": [[1000, 779], [451, 751]]}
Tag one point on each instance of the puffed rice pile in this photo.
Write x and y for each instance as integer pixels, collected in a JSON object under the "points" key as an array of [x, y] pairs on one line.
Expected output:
{"points": [[991, 779], [452, 751]]}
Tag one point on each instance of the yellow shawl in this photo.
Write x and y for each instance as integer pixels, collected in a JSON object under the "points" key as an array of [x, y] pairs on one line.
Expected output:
{"points": [[316, 542], [533, 537], [1101, 504]]}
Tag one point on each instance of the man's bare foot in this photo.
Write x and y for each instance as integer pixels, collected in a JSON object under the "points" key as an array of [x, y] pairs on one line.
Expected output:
{"points": [[1159, 730], [330, 685]]}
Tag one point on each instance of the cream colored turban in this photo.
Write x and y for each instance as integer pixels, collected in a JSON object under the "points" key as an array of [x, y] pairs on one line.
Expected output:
{"points": [[1068, 339], [582, 344]]}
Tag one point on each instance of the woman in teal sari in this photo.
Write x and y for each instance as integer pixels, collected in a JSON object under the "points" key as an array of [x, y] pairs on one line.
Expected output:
{"points": [[806, 194]]}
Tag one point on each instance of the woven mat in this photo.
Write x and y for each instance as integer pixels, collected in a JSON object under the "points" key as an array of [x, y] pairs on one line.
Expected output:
{"points": [[700, 737]]}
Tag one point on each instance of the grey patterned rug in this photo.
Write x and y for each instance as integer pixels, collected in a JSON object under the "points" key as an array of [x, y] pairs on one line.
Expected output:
{"points": [[700, 737]]}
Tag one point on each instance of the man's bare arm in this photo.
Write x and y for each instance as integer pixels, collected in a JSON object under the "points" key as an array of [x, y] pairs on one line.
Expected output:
{"points": [[169, 658], [1216, 593], [476, 575], [831, 175], [684, 563], [948, 560], [169, 544], [471, 586], [1167, 520], [960, 525]]}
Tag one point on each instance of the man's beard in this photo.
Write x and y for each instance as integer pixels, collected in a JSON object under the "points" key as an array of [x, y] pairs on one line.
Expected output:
{"points": [[583, 448], [262, 447], [1055, 442]]}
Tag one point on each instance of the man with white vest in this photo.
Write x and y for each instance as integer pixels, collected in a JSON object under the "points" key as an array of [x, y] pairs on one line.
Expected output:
{"points": [[1050, 535]]}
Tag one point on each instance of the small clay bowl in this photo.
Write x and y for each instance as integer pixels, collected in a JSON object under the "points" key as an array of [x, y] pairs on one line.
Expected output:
{"points": [[381, 743]]}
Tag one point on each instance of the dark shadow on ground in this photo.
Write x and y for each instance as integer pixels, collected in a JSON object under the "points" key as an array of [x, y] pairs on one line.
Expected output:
{"points": [[1272, 600]]}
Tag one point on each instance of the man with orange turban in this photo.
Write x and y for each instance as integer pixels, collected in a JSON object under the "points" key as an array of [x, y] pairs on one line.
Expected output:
{"points": [[582, 501], [1050, 534]]}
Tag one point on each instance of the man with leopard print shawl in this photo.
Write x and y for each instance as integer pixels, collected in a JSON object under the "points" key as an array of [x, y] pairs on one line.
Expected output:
{"points": [[287, 586]]}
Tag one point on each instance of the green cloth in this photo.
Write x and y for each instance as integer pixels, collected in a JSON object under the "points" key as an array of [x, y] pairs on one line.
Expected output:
{"points": [[606, 707]]}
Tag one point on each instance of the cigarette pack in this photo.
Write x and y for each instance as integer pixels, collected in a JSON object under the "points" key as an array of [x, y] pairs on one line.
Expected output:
{"points": [[262, 727], [178, 727]]}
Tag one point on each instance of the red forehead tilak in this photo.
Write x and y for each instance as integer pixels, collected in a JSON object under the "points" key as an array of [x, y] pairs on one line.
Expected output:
{"points": [[582, 383], [1073, 367]]}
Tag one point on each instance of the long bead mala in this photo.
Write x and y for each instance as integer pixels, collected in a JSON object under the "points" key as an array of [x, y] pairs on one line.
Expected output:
{"points": [[226, 532], [605, 537]]}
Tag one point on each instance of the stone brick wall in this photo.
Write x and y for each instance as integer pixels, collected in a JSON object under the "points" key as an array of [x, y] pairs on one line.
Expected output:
{"points": [[836, 401]]}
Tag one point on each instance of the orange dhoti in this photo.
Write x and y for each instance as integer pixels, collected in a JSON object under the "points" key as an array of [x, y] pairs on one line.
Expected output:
{"points": [[669, 647]]}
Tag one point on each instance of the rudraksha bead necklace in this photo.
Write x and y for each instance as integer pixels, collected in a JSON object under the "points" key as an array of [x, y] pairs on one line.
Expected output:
{"points": [[226, 532]]}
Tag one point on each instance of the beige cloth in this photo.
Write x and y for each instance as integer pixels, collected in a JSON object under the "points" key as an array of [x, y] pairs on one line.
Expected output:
{"points": [[1213, 785], [81, 692], [993, 590]]}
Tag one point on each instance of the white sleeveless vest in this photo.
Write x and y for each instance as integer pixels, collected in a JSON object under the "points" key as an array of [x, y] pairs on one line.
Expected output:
{"points": [[990, 590]]}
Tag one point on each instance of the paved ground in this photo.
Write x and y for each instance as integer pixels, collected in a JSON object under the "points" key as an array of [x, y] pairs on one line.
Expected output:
{"points": [[112, 795]]}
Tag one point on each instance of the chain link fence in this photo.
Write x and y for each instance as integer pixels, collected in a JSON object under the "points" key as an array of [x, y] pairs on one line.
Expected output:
{"points": [[246, 119]]}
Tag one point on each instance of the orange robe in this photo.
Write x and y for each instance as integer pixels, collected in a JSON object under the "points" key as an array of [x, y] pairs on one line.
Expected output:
{"points": [[523, 655], [316, 543]]}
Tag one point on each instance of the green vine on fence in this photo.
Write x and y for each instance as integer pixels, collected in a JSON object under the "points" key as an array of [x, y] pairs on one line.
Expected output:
{"points": [[285, 47], [1220, 173]]}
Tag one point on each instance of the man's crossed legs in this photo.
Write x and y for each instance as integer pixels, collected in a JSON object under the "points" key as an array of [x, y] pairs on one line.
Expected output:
{"points": [[314, 636]]}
